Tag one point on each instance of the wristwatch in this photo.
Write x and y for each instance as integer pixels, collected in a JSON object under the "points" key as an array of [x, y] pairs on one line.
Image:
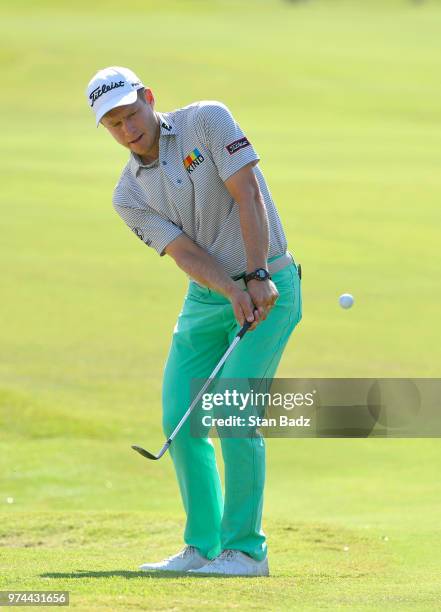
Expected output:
{"points": [[260, 274]]}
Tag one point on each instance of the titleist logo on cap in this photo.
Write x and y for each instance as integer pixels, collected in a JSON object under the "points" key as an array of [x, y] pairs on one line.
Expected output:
{"points": [[111, 87], [102, 89]]}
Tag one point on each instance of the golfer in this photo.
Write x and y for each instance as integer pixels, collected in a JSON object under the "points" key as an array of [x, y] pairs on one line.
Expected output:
{"points": [[192, 189]]}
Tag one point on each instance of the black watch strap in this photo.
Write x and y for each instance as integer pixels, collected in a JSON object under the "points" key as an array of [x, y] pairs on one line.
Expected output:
{"points": [[259, 274]]}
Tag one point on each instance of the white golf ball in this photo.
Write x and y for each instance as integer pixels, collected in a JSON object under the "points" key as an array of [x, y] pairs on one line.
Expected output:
{"points": [[346, 300]]}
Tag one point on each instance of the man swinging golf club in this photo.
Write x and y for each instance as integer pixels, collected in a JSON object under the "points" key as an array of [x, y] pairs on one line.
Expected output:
{"points": [[192, 189]]}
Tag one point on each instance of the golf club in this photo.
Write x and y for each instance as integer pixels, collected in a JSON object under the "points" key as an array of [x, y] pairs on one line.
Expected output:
{"points": [[146, 453]]}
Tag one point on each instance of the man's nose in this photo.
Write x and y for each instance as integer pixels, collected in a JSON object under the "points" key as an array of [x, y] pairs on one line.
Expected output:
{"points": [[129, 127]]}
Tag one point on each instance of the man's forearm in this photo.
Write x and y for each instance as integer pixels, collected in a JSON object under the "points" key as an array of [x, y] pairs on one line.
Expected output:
{"points": [[204, 269], [255, 232]]}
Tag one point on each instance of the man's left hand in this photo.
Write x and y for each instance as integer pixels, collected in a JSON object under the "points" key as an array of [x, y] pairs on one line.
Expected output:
{"points": [[264, 295]]}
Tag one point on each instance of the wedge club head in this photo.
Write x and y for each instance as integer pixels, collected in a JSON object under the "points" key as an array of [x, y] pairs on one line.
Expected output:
{"points": [[145, 453]]}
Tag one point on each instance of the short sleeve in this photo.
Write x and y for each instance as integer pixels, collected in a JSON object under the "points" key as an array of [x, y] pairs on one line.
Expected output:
{"points": [[217, 129], [149, 226]]}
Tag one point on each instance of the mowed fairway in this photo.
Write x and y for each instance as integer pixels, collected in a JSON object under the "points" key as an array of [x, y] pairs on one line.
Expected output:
{"points": [[341, 100]]}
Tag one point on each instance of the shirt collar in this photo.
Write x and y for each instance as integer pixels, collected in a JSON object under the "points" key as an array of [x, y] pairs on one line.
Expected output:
{"points": [[166, 128]]}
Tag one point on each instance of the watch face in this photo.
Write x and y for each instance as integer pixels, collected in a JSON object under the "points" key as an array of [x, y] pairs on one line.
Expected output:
{"points": [[261, 274]]}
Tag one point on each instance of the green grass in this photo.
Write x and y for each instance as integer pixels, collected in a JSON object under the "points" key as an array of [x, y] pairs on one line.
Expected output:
{"points": [[98, 546], [341, 99]]}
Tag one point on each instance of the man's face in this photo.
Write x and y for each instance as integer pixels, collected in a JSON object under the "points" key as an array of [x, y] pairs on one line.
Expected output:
{"points": [[135, 126]]}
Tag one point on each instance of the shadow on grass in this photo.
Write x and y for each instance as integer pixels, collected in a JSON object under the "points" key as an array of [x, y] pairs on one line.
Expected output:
{"points": [[80, 574]]}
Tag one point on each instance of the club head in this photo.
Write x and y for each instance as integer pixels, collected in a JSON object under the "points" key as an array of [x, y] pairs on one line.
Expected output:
{"points": [[144, 452]]}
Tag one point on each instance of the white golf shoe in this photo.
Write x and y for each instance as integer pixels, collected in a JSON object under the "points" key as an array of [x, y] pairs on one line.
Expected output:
{"points": [[187, 559], [234, 563]]}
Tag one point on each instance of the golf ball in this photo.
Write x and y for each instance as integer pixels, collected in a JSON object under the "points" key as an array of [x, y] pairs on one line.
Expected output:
{"points": [[346, 300]]}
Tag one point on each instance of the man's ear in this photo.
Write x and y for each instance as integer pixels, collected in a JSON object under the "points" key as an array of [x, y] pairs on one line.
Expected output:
{"points": [[150, 98]]}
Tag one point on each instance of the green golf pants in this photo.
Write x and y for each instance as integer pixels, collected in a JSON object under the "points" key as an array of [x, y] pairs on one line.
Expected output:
{"points": [[205, 328]]}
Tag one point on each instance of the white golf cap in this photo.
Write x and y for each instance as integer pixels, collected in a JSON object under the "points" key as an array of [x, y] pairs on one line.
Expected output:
{"points": [[112, 87]]}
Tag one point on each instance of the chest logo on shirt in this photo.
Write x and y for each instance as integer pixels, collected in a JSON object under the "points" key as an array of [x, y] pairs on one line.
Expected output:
{"points": [[237, 145], [193, 160]]}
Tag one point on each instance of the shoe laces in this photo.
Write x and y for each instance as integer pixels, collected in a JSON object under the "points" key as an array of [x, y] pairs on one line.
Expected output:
{"points": [[228, 555], [188, 550]]}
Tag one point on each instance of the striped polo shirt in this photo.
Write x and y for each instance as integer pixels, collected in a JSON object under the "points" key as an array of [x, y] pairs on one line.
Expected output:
{"points": [[200, 146]]}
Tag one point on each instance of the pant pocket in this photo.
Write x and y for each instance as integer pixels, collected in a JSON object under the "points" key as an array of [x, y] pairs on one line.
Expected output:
{"points": [[298, 297]]}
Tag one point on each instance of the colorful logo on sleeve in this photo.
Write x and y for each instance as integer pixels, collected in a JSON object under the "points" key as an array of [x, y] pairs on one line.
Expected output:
{"points": [[193, 160]]}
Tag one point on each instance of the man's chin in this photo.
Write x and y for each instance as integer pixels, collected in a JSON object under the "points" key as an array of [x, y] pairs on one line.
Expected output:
{"points": [[138, 149]]}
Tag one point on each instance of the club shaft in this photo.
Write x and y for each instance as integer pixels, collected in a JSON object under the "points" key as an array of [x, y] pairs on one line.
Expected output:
{"points": [[206, 385], [166, 446]]}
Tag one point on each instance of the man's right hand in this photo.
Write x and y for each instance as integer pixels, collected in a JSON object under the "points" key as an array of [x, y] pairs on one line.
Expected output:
{"points": [[243, 308]]}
